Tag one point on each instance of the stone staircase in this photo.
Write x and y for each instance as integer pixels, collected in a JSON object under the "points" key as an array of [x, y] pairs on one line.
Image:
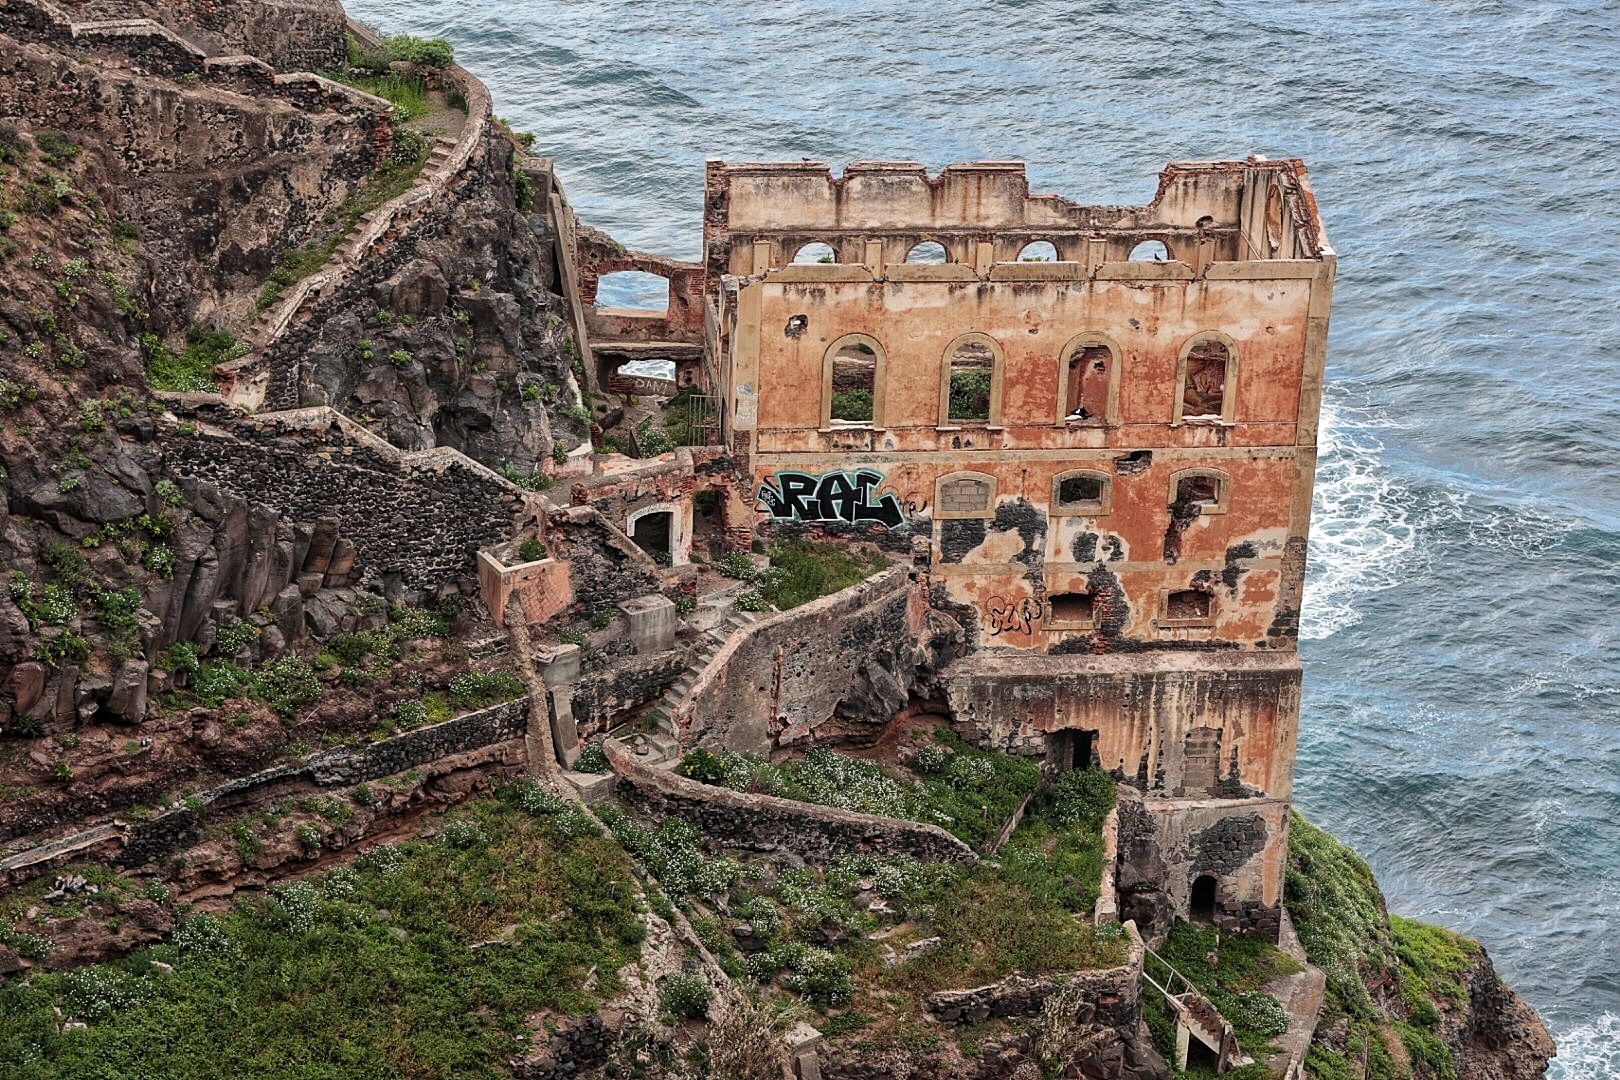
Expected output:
{"points": [[663, 740], [1196, 1016]]}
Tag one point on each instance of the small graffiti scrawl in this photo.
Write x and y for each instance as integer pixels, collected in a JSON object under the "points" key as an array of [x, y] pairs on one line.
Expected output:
{"points": [[836, 496]]}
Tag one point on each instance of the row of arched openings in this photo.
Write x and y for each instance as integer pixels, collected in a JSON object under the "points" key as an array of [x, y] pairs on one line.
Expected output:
{"points": [[930, 252], [970, 381]]}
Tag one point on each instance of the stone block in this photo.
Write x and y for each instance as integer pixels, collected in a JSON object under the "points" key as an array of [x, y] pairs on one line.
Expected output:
{"points": [[592, 787], [652, 622], [127, 700], [558, 665], [713, 611]]}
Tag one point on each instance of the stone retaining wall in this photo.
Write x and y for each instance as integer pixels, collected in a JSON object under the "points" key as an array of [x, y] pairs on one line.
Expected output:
{"points": [[268, 377], [778, 680], [600, 696], [768, 823], [416, 517], [182, 827]]}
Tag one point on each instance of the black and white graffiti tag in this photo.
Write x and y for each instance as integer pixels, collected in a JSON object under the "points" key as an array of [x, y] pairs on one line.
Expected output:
{"points": [[843, 495]]}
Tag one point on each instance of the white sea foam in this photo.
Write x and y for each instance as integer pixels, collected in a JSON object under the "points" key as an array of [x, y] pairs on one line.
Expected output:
{"points": [[1588, 1051], [1360, 534]]}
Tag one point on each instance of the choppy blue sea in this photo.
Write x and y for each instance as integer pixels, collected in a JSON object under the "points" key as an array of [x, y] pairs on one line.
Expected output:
{"points": [[1461, 636]]}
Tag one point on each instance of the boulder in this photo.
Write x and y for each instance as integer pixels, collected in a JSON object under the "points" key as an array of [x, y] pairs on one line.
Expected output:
{"points": [[127, 699]]}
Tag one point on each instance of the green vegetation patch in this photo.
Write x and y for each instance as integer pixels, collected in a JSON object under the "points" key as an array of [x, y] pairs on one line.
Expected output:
{"points": [[192, 369], [1232, 972], [806, 570], [1339, 914], [970, 792], [370, 972]]}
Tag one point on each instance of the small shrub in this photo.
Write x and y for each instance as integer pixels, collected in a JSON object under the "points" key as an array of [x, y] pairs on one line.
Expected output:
{"points": [[536, 800], [429, 52], [703, 766], [410, 714], [363, 794], [571, 636], [308, 837], [531, 550], [401, 358], [685, 996], [479, 689], [463, 834], [592, 759]]}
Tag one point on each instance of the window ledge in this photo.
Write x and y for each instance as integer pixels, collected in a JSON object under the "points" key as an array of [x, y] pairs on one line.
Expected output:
{"points": [[1204, 421]]}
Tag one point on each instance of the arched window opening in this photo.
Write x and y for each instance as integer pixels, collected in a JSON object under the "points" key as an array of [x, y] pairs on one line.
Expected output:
{"points": [[1080, 493], [1089, 374], [815, 252], [854, 383], [1038, 251], [1201, 905], [1203, 490], [1150, 251], [972, 380], [1187, 606], [1071, 609], [929, 251], [632, 290], [1203, 391]]}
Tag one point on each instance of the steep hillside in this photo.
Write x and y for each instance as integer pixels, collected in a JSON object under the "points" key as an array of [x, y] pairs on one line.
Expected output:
{"points": [[1404, 999]]}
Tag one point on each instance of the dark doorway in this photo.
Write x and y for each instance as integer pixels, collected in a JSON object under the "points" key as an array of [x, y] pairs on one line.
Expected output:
{"points": [[652, 532], [1201, 909], [1071, 750]]}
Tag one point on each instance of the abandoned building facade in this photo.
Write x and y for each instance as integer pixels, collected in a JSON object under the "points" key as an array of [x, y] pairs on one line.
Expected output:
{"points": [[1101, 421]]}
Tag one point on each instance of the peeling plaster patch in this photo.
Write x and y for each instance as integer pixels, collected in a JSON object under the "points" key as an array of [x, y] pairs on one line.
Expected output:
{"points": [[1030, 524], [1234, 568], [958, 536], [1084, 547]]}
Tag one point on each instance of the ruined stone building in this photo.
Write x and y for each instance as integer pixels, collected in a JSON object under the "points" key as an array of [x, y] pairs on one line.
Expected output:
{"points": [[1103, 421]]}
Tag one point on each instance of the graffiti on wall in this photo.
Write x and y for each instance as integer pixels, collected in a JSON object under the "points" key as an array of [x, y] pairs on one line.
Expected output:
{"points": [[1016, 616], [845, 495]]}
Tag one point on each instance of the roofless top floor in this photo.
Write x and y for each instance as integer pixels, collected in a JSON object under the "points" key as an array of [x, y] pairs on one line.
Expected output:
{"points": [[759, 216]]}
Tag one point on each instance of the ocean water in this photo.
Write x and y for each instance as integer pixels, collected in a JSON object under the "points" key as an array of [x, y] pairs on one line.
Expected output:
{"points": [[1460, 633]]}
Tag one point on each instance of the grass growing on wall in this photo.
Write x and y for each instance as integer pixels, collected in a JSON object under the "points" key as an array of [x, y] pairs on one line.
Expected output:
{"points": [[362, 973], [807, 570], [389, 181]]}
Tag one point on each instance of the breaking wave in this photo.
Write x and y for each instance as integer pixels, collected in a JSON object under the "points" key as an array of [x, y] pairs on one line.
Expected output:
{"points": [[1588, 1051], [1360, 532]]}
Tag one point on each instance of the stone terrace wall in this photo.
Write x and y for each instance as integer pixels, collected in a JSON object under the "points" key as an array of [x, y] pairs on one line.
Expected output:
{"points": [[182, 827], [599, 696], [768, 823], [418, 517], [143, 842], [292, 35], [782, 677]]}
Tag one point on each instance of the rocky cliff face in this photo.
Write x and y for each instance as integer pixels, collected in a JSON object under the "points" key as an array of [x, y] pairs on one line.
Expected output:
{"points": [[1404, 999]]}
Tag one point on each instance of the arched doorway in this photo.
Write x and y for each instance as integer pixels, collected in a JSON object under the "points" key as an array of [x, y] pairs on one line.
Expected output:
{"points": [[1201, 907]]}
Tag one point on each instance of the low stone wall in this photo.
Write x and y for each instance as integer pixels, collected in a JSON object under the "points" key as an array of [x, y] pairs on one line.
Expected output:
{"points": [[293, 35], [419, 517], [151, 840], [768, 823], [632, 681], [778, 680]]}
